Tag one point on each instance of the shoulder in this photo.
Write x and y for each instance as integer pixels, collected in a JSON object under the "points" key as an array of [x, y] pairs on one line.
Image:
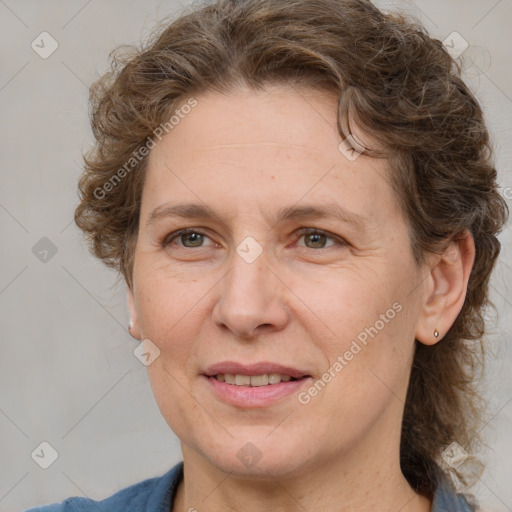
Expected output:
{"points": [[446, 499], [154, 494]]}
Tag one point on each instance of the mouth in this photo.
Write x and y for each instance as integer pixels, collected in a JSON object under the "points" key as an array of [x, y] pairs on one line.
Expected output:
{"points": [[254, 385], [255, 374], [266, 379]]}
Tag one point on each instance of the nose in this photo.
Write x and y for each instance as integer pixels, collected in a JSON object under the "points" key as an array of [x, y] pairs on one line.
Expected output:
{"points": [[252, 299]]}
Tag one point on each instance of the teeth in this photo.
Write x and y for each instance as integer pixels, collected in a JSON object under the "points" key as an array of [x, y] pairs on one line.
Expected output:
{"points": [[242, 380], [259, 380], [252, 380]]}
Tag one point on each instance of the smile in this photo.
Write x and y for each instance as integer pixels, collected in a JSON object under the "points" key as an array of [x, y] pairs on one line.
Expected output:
{"points": [[242, 393], [267, 379]]}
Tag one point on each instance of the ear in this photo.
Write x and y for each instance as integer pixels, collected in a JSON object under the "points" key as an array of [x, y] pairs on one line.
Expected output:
{"points": [[134, 322], [445, 289]]}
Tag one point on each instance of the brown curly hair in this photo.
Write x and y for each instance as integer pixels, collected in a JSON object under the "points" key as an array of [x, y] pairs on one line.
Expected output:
{"points": [[398, 85]]}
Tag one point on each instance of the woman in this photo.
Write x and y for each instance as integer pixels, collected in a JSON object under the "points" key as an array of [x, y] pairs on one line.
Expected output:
{"points": [[301, 198]]}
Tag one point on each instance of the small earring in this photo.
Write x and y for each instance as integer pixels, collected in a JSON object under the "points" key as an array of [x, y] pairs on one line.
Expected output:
{"points": [[436, 333]]}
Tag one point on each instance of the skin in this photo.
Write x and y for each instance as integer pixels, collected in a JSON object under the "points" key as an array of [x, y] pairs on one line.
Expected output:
{"points": [[301, 303]]}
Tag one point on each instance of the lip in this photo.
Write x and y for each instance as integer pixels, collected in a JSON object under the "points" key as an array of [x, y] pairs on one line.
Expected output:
{"points": [[260, 368], [254, 396]]}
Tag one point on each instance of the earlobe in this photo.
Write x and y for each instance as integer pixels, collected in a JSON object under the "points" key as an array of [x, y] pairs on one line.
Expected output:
{"points": [[446, 289], [133, 328]]}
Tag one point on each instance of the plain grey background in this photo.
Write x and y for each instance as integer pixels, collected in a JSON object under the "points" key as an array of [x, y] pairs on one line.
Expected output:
{"points": [[68, 375]]}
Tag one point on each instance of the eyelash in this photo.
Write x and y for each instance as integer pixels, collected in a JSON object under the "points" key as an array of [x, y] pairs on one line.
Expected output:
{"points": [[299, 234]]}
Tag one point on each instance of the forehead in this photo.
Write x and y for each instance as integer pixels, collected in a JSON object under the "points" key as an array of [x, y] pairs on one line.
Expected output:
{"points": [[280, 115], [265, 149]]}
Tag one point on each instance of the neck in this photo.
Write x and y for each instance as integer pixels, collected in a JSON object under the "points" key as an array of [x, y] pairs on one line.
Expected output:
{"points": [[332, 487]]}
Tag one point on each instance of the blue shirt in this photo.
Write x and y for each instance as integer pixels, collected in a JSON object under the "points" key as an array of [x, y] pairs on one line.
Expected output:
{"points": [[157, 495]]}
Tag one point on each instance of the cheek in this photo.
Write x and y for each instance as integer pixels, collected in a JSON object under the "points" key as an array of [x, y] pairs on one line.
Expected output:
{"points": [[370, 347], [367, 380], [180, 409], [163, 301], [168, 311], [349, 302]]}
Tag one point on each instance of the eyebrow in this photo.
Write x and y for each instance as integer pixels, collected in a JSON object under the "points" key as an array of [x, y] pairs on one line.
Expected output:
{"points": [[306, 212]]}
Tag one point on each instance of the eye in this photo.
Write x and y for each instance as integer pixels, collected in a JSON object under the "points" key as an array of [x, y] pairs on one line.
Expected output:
{"points": [[318, 238], [193, 238], [189, 238]]}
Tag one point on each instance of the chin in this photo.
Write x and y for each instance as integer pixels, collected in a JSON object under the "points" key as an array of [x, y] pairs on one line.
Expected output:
{"points": [[258, 456]]}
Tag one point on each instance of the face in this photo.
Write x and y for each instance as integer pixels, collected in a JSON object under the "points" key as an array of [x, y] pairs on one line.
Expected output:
{"points": [[295, 255]]}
